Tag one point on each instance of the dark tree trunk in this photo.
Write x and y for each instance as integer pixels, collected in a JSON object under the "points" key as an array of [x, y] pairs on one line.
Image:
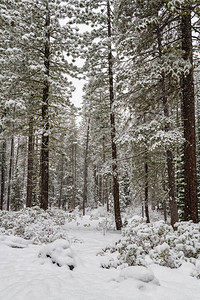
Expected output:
{"points": [[169, 154], [29, 189], [74, 175], [165, 210], [100, 188], [188, 110], [96, 186], [142, 211], [61, 182], [86, 169], [118, 219], [146, 199], [10, 172], [44, 164], [3, 171]]}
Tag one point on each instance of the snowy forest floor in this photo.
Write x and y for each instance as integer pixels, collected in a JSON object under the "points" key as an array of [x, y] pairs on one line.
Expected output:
{"points": [[24, 276]]}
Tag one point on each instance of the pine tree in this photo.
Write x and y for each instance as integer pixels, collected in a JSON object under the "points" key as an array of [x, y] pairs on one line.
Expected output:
{"points": [[188, 107], [100, 65], [151, 51]]}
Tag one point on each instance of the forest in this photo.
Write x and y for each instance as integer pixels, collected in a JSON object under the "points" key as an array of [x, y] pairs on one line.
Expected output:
{"points": [[136, 139], [100, 201]]}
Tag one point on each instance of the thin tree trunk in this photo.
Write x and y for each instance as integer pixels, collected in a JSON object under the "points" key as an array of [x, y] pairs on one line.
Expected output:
{"points": [[169, 154], [17, 153], [188, 110], [44, 164], [10, 171], [3, 172], [86, 168], [118, 219], [29, 188], [61, 182], [96, 188], [146, 199], [74, 175], [61, 190], [142, 210], [165, 211], [106, 196]]}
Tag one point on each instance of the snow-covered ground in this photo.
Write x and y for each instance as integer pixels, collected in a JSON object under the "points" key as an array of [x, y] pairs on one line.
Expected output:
{"points": [[25, 276]]}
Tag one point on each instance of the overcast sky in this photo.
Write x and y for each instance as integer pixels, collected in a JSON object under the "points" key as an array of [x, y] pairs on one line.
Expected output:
{"points": [[77, 95]]}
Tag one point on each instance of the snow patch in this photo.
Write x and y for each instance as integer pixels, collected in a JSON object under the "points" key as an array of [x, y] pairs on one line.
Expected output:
{"points": [[13, 241], [138, 273]]}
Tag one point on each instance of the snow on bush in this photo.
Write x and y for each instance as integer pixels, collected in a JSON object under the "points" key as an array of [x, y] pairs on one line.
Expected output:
{"points": [[188, 239], [34, 224], [59, 252], [97, 218], [157, 240], [196, 270], [165, 256]]}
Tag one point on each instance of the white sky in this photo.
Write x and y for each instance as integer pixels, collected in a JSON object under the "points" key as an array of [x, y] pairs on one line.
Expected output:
{"points": [[77, 95]]}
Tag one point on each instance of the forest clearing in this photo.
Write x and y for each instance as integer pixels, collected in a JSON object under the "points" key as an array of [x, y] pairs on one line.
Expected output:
{"points": [[25, 275]]}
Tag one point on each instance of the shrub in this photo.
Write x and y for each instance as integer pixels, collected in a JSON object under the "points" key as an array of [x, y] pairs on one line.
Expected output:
{"points": [[34, 224], [159, 241]]}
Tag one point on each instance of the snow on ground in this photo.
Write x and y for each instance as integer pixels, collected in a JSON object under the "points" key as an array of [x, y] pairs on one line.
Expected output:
{"points": [[25, 276]]}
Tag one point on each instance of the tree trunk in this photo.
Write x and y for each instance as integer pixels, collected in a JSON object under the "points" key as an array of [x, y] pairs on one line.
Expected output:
{"points": [[3, 171], [10, 172], [118, 219], [61, 182], [44, 164], [106, 196], [146, 199], [96, 187], [165, 211], [188, 110], [74, 175], [17, 154], [169, 154], [86, 169], [29, 189]]}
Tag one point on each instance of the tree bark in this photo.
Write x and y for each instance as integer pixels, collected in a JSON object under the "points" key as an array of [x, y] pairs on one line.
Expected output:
{"points": [[29, 188], [61, 182], [10, 172], [3, 171], [74, 174], [118, 219], [169, 154], [86, 169], [44, 164], [146, 199], [188, 111]]}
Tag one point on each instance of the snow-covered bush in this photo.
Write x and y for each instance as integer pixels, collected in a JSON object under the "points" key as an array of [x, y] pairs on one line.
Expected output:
{"points": [[34, 224], [165, 256], [188, 239], [157, 240], [196, 271], [59, 252]]}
